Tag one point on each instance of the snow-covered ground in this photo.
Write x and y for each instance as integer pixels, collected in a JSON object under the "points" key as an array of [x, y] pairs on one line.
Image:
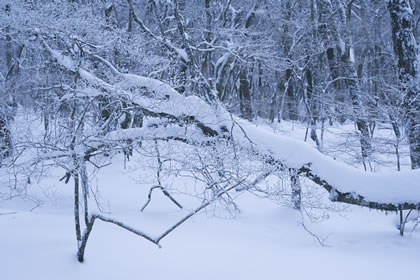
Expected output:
{"points": [[263, 241]]}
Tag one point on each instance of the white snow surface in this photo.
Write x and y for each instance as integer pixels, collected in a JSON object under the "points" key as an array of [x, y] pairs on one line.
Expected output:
{"points": [[264, 241]]}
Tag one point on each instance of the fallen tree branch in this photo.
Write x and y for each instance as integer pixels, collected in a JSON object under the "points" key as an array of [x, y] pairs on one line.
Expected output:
{"points": [[152, 84], [351, 197]]}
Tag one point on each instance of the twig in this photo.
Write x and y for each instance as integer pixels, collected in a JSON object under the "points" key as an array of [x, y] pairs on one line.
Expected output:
{"points": [[149, 197], [242, 129], [8, 213], [320, 240]]}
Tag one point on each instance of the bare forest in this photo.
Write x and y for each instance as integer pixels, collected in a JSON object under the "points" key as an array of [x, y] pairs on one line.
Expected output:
{"points": [[313, 105]]}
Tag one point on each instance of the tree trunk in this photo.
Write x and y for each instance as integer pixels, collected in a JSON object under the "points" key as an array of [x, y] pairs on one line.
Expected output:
{"points": [[406, 50], [245, 97], [345, 49], [296, 189], [5, 106]]}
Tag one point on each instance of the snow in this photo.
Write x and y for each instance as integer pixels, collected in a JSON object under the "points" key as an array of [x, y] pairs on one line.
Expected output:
{"points": [[149, 132], [62, 59], [351, 57], [342, 45], [264, 241], [168, 100], [182, 53]]}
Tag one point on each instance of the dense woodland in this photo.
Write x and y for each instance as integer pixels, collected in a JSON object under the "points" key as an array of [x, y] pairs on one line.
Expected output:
{"points": [[170, 79]]}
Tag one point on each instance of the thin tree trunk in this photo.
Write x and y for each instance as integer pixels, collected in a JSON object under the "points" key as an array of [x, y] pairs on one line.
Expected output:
{"points": [[296, 189], [245, 97], [5, 137], [76, 207]]}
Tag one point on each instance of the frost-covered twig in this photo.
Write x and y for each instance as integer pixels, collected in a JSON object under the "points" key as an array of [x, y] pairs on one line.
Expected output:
{"points": [[8, 213], [319, 239], [165, 192], [158, 172]]}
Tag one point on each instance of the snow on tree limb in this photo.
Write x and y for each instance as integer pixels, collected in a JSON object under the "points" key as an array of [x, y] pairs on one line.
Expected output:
{"points": [[165, 103], [381, 190], [352, 197]]}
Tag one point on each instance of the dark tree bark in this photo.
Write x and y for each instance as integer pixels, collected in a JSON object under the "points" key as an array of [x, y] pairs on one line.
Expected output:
{"points": [[296, 189], [245, 97], [5, 139], [5, 104], [407, 53]]}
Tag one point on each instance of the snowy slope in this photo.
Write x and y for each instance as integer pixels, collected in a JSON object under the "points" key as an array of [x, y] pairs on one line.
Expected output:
{"points": [[264, 241]]}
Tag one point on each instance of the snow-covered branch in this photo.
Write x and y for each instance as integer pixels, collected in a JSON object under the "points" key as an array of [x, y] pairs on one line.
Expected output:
{"points": [[166, 102]]}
